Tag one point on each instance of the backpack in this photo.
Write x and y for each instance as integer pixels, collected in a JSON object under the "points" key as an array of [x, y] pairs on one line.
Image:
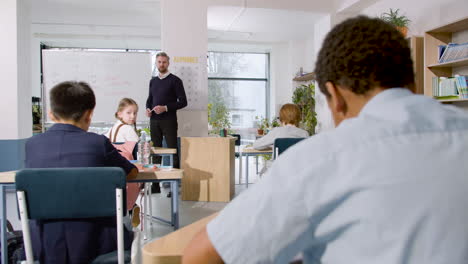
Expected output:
{"points": [[15, 245]]}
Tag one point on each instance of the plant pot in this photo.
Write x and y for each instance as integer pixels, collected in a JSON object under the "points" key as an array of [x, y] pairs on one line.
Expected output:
{"points": [[403, 30], [260, 132], [223, 132]]}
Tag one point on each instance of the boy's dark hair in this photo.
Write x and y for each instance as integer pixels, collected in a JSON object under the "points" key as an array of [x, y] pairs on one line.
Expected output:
{"points": [[362, 53], [70, 100]]}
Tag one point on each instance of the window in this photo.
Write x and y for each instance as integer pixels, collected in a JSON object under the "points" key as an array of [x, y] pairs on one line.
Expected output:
{"points": [[236, 119], [239, 83]]}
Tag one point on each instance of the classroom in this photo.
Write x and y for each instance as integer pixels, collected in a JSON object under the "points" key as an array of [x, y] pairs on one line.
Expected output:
{"points": [[235, 108]]}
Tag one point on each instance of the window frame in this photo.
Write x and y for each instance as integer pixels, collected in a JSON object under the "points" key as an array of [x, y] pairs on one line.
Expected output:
{"points": [[266, 79]]}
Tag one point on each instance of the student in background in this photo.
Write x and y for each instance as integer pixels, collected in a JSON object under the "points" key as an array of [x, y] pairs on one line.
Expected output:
{"points": [[124, 133], [290, 116], [124, 128], [68, 144], [388, 185]]}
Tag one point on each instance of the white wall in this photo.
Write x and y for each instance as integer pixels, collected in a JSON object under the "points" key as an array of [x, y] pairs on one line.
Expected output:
{"points": [[281, 77], [424, 14], [324, 119], [15, 68]]}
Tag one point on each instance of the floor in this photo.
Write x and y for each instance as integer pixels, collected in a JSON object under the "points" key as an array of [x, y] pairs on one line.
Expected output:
{"points": [[191, 211]]}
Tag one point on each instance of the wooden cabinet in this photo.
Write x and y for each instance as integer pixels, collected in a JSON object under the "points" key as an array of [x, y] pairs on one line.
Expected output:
{"points": [[208, 164], [417, 51]]}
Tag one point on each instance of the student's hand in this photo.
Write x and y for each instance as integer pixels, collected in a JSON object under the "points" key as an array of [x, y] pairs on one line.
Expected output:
{"points": [[148, 112]]}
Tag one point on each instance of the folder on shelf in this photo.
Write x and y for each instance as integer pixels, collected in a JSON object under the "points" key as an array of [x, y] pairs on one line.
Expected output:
{"points": [[453, 52]]}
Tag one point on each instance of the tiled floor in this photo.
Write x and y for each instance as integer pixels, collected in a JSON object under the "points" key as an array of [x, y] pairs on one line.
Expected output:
{"points": [[192, 211]]}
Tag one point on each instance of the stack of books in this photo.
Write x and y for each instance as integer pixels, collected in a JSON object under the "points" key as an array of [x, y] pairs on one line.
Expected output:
{"points": [[453, 52], [462, 86], [450, 87]]}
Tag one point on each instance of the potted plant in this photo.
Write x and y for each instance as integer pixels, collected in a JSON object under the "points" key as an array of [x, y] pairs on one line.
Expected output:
{"points": [[275, 123], [393, 17], [304, 97], [263, 124], [219, 119]]}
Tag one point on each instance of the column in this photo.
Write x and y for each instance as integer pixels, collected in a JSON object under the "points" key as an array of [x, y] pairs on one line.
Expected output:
{"points": [[15, 106], [184, 38]]}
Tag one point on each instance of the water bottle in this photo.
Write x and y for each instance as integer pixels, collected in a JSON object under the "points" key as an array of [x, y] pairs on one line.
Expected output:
{"points": [[146, 152], [141, 148]]}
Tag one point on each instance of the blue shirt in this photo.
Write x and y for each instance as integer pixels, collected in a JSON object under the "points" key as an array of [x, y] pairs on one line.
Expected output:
{"points": [[389, 186]]}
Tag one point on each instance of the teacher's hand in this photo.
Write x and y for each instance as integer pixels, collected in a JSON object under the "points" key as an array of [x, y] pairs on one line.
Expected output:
{"points": [[159, 109], [148, 112]]}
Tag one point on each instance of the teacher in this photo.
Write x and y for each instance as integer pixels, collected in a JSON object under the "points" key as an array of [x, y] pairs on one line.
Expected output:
{"points": [[166, 96]]}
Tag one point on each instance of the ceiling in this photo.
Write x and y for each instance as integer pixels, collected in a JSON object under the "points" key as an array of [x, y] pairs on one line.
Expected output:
{"points": [[259, 24], [240, 20]]}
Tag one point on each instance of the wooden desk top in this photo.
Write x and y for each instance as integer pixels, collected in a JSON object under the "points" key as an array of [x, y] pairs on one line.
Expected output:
{"points": [[250, 150], [7, 177], [158, 150], [161, 174], [169, 249], [147, 174]]}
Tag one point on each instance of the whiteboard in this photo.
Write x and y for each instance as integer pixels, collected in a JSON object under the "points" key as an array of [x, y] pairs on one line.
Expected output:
{"points": [[111, 75]]}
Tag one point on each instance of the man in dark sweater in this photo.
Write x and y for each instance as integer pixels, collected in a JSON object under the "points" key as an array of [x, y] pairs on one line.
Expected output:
{"points": [[166, 96]]}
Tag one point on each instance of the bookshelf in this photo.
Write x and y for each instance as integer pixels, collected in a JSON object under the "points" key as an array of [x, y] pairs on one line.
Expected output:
{"points": [[416, 44], [306, 77], [455, 32], [455, 63], [453, 100]]}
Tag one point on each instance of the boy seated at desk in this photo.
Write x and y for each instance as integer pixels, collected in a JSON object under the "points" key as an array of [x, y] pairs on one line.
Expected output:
{"points": [[68, 144], [387, 185], [290, 116]]}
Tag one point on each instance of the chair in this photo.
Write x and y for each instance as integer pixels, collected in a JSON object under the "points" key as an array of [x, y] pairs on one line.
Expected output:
{"points": [[282, 144], [71, 193], [237, 143]]}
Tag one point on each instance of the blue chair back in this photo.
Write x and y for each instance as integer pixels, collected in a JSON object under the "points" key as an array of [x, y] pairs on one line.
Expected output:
{"points": [[66, 193], [282, 144]]}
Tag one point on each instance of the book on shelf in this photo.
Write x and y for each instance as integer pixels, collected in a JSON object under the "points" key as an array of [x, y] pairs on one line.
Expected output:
{"points": [[462, 86], [452, 52], [450, 87]]}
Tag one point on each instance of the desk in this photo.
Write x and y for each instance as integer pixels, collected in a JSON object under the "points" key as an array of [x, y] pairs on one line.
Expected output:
{"points": [[208, 164], [173, 176], [165, 152], [169, 249], [246, 152], [7, 181]]}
